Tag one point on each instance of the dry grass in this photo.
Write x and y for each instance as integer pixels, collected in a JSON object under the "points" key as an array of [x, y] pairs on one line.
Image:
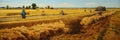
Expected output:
{"points": [[57, 28], [26, 23], [42, 32], [46, 11]]}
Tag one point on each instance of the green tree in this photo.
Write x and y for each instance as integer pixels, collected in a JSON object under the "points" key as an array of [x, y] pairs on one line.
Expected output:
{"points": [[29, 7], [34, 6], [48, 7], [23, 6], [7, 7]]}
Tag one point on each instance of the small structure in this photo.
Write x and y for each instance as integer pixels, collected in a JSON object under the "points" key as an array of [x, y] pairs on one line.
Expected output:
{"points": [[85, 10], [23, 14], [43, 13], [100, 8], [62, 12]]}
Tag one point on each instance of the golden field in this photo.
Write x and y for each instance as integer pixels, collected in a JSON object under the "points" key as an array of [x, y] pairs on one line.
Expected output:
{"points": [[47, 11], [54, 26], [37, 13], [15, 13]]}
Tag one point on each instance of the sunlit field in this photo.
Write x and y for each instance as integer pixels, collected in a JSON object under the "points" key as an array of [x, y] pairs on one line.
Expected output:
{"points": [[46, 11], [51, 25], [59, 19], [15, 14]]}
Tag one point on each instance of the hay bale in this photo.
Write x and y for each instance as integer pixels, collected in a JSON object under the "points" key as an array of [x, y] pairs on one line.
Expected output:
{"points": [[98, 12], [10, 34], [62, 12], [27, 33], [100, 8], [96, 17], [66, 30], [86, 21]]}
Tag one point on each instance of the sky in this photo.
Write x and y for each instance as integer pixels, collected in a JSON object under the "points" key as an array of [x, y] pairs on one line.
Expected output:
{"points": [[62, 3]]}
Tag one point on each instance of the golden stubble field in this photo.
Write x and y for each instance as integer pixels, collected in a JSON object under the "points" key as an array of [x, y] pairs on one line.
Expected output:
{"points": [[46, 11], [49, 13], [50, 28]]}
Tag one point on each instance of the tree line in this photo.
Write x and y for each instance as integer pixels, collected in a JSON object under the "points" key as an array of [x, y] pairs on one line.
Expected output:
{"points": [[32, 6]]}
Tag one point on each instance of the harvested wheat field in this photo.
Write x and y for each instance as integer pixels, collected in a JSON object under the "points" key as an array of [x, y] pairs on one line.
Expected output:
{"points": [[59, 19], [76, 24]]}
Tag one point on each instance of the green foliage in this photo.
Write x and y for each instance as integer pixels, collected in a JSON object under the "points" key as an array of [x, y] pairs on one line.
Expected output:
{"points": [[23, 6], [7, 7], [34, 6]]}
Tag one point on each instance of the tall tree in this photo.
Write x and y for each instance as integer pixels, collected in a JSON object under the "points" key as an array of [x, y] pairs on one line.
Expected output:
{"points": [[23, 6], [48, 7], [7, 7], [34, 6], [29, 7]]}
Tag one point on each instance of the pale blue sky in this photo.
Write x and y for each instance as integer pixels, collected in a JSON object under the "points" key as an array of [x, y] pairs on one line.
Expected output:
{"points": [[62, 3]]}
